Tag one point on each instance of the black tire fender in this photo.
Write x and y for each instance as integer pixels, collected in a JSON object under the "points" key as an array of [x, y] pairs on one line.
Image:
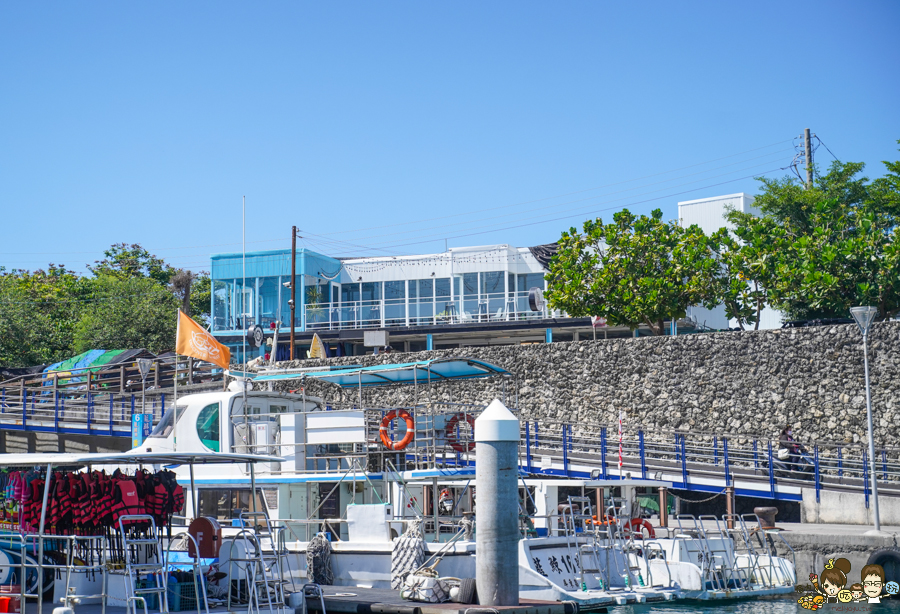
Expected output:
{"points": [[889, 559]]}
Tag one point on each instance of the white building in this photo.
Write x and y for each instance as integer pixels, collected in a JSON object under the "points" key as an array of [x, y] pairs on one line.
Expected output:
{"points": [[709, 215]]}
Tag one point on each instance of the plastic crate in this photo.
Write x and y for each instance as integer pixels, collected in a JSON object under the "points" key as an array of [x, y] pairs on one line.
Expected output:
{"points": [[181, 596], [152, 599]]}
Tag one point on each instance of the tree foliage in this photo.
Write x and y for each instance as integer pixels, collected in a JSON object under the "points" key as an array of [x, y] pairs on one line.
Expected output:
{"points": [[132, 312], [635, 271], [131, 262], [49, 315], [819, 251]]}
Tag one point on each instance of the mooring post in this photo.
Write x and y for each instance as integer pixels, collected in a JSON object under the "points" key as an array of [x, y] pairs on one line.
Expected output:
{"points": [[663, 507], [497, 520], [729, 505]]}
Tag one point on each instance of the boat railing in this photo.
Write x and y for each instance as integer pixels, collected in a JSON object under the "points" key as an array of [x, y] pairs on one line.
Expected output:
{"points": [[33, 560]]}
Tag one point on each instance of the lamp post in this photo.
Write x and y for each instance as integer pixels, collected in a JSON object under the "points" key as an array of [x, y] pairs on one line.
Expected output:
{"points": [[864, 317]]}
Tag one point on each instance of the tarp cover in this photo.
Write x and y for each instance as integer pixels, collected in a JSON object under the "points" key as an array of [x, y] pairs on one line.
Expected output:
{"points": [[405, 373], [93, 360]]}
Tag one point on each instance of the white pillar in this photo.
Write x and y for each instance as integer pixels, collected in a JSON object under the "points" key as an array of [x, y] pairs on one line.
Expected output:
{"points": [[497, 514]]}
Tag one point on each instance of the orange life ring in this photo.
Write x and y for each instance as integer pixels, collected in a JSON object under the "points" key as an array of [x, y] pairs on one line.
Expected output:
{"points": [[453, 440], [606, 520], [386, 424], [637, 525]]}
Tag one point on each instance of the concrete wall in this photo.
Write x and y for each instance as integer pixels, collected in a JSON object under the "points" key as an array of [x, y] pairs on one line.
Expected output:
{"points": [[742, 383], [846, 508]]}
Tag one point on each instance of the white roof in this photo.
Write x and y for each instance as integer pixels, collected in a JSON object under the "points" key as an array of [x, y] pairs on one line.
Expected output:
{"points": [[126, 458]]}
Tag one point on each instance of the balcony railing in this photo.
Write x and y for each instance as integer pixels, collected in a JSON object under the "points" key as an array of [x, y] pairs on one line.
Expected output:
{"points": [[386, 313]]}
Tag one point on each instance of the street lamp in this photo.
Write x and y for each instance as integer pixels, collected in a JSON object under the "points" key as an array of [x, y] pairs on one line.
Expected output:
{"points": [[864, 317]]}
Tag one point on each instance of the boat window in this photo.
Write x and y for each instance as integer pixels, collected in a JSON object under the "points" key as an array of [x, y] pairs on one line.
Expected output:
{"points": [[278, 409], [167, 423], [208, 426], [226, 503]]}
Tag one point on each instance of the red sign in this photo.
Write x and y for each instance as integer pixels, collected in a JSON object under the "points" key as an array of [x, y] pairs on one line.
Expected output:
{"points": [[598, 322]]}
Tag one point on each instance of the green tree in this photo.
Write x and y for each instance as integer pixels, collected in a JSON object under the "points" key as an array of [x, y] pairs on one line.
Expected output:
{"points": [[821, 250], [132, 261], [201, 295], [126, 313], [637, 270], [38, 311], [739, 285]]}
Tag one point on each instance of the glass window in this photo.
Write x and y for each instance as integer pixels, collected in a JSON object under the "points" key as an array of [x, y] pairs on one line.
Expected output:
{"points": [[531, 280], [167, 423], [220, 305], [441, 287], [208, 426], [426, 288], [512, 283], [470, 284], [268, 301], [225, 503], [316, 295], [349, 293], [371, 291], [492, 282], [394, 290]]}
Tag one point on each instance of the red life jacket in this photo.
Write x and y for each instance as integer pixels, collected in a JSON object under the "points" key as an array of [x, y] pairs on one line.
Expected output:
{"points": [[127, 503], [103, 508], [31, 510]]}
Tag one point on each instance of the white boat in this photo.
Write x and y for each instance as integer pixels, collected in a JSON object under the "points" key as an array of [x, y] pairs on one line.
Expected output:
{"points": [[339, 479]]}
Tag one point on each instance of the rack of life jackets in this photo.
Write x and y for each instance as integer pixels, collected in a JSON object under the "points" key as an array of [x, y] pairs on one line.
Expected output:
{"points": [[89, 503]]}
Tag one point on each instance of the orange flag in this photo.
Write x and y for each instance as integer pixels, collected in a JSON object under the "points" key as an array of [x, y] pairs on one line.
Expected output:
{"points": [[192, 340]]}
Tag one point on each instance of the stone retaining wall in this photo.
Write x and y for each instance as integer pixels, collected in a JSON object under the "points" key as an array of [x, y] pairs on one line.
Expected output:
{"points": [[740, 383]]}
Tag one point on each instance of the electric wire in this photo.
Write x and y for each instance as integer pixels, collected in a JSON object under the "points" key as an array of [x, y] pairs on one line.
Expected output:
{"points": [[546, 208], [528, 202]]}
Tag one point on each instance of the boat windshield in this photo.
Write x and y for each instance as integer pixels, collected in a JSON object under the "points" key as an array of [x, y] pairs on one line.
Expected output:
{"points": [[167, 424]]}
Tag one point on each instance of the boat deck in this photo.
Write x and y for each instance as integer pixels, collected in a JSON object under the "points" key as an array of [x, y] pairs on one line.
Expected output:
{"points": [[356, 600]]}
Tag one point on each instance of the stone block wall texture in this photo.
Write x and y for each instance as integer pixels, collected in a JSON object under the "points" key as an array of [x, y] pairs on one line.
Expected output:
{"points": [[738, 383]]}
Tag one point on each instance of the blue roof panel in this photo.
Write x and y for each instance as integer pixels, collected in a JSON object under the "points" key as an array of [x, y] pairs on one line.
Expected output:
{"points": [[439, 369]]}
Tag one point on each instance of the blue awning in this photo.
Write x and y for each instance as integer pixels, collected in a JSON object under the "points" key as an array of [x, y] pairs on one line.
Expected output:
{"points": [[439, 369]]}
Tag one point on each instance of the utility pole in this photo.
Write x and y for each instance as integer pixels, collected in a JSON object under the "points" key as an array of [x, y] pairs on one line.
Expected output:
{"points": [[293, 282], [809, 159]]}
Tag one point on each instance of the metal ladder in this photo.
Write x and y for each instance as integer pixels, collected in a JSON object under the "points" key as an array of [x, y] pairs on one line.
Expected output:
{"points": [[729, 570], [623, 544], [255, 572], [694, 540], [133, 566], [276, 557], [742, 547], [197, 573], [587, 555]]}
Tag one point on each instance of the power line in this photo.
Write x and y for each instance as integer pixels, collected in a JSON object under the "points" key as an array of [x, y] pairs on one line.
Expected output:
{"points": [[826, 147], [481, 220], [561, 195], [584, 211]]}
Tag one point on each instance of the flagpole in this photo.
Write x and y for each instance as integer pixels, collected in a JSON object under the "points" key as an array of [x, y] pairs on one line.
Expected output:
{"points": [[175, 396], [243, 321]]}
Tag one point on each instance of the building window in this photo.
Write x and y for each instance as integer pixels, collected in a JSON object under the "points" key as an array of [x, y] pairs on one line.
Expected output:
{"points": [[221, 301], [493, 295], [421, 301], [395, 303], [268, 301], [208, 426]]}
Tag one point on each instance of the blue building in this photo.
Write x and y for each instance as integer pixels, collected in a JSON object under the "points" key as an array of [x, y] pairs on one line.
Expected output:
{"points": [[465, 296]]}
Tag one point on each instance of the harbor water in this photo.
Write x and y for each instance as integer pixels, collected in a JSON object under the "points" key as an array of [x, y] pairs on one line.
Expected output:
{"points": [[768, 606]]}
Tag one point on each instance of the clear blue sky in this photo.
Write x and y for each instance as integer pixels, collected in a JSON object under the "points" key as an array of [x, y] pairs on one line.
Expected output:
{"points": [[147, 122]]}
